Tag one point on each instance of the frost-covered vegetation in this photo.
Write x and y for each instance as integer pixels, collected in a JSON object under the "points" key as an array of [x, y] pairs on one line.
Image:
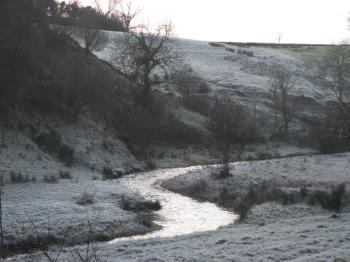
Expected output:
{"points": [[81, 108]]}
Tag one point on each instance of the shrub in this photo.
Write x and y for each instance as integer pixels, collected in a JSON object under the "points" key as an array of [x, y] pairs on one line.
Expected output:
{"points": [[193, 89], [65, 175], [108, 174], [17, 178], [230, 49], [139, 205], [223, 173], [245, 52], [66, 155], [225, 198], [50, 179], [150, 164], [52, 142], [263, 156], [49, 141], [145, 220], [197, 188], [124, 203], [330, 201], [55, 39], [86, 199], [214, 44], [258, 194], [197, 103], [231, 123]]}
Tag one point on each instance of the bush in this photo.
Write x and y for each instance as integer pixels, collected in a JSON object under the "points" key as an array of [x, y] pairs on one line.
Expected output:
{"points": [[66, 155], [19, 178], [223, 173], [50, 179], [258, 194], [197, 103], [86, 199], [198, 188], [52, 142], [65, 175], [214, 44], [245, 52], [108, 174], [304, 192], [231, 124], [330, 201], [55, 39], [49, 141], [139, 205], [230, 50], [150, 164]]}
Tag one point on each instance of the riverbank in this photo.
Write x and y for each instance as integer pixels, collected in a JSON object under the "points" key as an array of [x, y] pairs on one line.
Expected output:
{"points": [[286, 180], [270, 232], [293, 235], [42, 197]]}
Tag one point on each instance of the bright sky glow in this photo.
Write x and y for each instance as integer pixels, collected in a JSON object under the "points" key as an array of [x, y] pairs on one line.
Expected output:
{"points": [[298, 21]]}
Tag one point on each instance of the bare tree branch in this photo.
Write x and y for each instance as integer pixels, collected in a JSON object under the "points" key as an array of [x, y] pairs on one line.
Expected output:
{"points": [[111, 6], [284, 97], [127, 15], [145, 56]]}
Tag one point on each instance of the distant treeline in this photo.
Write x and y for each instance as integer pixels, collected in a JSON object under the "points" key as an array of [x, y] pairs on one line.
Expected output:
{"points": [[75, 15], [275, 45]]}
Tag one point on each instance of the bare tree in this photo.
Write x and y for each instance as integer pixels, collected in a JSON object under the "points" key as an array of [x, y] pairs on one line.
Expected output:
{"points": [[333, 74], [92, 38], [145, 56], [1, 228], [128, 15], [231, 124], [279, 37], [110, 6], [283, 94]]}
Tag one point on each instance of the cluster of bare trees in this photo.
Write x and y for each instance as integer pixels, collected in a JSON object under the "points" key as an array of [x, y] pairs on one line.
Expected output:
{"points": [[284, 97], [333, 74], [94, 39]]}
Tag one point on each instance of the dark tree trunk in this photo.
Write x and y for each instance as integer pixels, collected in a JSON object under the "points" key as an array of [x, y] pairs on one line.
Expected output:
{"points": [[1, 230], [3, 135]]}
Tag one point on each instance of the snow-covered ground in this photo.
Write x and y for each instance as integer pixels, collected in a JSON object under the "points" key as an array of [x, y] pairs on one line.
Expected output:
{"points": [[321, 238], [228, 69], [313, 172], [51, 206], [271, 231]]}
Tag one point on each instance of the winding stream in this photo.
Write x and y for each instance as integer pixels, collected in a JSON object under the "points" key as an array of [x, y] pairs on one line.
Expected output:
{"points": [[179, 214]]}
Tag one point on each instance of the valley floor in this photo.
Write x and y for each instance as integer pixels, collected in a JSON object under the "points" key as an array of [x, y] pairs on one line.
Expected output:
{"points": [[271, 231]]}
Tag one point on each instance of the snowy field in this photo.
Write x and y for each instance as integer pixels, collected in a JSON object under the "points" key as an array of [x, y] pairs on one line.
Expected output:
{"points": [[271, 232], [51, 206], [229, 70]]}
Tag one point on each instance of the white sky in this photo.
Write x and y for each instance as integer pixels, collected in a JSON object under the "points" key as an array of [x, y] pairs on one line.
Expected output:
{"points": [[299, 21]]}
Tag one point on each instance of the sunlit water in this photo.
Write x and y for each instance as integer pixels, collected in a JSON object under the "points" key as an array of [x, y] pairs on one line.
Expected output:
{"points": [[179, 215]]}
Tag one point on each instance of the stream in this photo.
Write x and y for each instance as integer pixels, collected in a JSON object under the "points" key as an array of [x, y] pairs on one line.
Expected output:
{"points": [[179, 214]]}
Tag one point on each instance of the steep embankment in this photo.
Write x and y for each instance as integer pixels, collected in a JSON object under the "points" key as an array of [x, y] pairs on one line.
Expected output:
{"points": [[57, 145]]}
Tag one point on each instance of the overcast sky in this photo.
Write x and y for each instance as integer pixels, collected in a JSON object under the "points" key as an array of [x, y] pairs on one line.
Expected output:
{"points": [[299, 21]]}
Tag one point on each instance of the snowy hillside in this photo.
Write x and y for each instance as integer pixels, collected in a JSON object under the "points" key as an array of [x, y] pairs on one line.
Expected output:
{"points": [[233, 68]]}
